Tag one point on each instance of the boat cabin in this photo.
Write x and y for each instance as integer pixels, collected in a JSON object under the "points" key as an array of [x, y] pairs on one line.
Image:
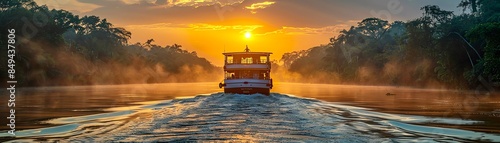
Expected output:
{"points": [[247, 72]]}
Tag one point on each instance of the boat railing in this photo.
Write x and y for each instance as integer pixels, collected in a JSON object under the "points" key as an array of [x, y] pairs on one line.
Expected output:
{"points": [[242, 63], [234, 78]]}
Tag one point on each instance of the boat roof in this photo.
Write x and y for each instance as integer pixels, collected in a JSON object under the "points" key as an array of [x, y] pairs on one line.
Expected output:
{"points": [[247, 53]]}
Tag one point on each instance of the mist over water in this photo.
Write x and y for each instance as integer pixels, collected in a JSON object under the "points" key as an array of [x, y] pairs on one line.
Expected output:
{"points": [[178, 112], [312, 66], [67, 65]]}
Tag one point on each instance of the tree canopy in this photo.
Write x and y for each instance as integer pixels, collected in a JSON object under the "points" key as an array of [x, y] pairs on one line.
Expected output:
{"points": [[438, 48], [57, 47]]}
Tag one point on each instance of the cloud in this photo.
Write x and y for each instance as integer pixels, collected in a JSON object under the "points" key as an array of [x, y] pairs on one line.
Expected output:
{"points": [[327, 30], [278, 13], [195, 27], [136, 1], [69, 5], [184, 3], [205, 27], [155, 26], [197, 3], [161, 2], [260, 5], [332, 29]]}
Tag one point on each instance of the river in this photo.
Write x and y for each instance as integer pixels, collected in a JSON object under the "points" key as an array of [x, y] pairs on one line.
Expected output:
{"points": [[293, 112]]}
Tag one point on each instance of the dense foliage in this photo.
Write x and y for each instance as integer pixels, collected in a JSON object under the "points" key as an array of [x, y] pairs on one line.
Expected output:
{"points": [[56, 47], [439, 48]]}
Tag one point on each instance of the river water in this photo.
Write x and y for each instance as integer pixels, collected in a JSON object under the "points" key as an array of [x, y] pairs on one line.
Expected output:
{"points": [[293, 112]]}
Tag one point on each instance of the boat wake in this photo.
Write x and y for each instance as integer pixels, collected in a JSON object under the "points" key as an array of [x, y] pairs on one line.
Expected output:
{"points": [[234, 117]]}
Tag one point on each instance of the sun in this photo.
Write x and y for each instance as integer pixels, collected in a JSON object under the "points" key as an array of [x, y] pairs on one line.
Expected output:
{"points": [[248, 35]]}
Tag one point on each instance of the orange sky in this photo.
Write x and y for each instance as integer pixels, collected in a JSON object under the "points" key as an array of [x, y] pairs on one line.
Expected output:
{"points": [[211, 40], [210, 26]]}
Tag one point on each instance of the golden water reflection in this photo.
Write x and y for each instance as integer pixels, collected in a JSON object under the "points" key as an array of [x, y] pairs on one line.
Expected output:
{"points": [[34, 105]]}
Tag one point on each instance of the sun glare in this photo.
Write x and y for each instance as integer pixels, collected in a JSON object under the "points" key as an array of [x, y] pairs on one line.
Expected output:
{"points": [[248, 35]]}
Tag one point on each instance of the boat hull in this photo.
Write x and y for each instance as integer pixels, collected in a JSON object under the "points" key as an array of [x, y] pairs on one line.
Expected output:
{"points": [[247, 86], [247, 90]]}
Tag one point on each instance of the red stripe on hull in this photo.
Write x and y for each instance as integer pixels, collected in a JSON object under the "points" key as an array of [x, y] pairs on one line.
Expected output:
{"points": [[247, 90]]}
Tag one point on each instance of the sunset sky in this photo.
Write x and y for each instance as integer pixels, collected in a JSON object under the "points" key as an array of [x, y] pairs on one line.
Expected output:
{"points": [[210, 26]]}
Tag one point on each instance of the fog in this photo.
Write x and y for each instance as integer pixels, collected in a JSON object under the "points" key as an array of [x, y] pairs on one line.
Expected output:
{"points": [[313, 67], [40, 65]]}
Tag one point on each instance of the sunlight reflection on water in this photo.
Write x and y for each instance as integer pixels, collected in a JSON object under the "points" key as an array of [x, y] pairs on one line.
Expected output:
{"points": [[223, 117], [342, 113]]}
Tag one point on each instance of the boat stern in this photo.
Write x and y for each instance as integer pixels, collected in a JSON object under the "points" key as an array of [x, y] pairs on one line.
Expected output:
{"points": [[247, 86]]}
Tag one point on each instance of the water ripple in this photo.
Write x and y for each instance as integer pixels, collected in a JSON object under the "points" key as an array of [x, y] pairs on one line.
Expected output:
{"points": [[260, 118]]}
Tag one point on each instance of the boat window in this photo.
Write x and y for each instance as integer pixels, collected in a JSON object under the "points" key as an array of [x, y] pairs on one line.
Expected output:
{"points": [[230, 75], [248, 60], [263, 59], [229, 59], [247, 74]]}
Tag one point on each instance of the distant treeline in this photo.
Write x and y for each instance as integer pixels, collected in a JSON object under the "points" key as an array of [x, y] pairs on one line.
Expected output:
{"points": [[56, 47], [432, 50]]}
